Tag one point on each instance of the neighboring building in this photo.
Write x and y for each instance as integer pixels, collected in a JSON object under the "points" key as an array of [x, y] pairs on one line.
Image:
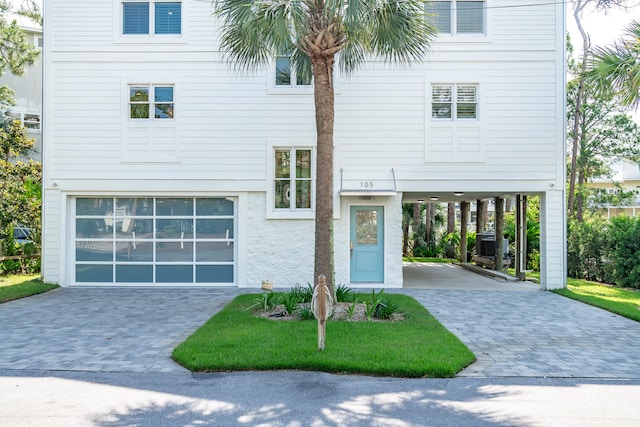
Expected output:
{"points": [[626, 176], [28, 87], [163, 166]]}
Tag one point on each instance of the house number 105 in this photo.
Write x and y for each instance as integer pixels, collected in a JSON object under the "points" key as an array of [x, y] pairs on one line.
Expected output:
{"points": [[366, 184]]}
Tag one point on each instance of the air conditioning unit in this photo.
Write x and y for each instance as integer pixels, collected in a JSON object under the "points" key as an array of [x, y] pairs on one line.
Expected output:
{"points": [[486, 245]]}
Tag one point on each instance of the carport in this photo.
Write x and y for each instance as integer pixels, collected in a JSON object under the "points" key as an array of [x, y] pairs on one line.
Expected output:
{"points": [[464, 200], [435, 275]]}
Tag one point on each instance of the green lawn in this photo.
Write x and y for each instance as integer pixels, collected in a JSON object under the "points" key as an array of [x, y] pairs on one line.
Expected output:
{"points": [[625, 302], [15, 286], [235, 340], [428, 259]]}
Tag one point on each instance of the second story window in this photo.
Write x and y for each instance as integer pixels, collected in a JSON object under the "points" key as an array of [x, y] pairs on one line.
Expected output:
{"points": [[286, 74], [457, 17], [151, 102], [151, 18], [453, 101]]}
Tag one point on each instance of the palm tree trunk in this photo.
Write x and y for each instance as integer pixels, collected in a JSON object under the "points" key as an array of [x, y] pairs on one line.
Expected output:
{"points": [[451, 218], [324, 105], [427, 223], [405, 239]]}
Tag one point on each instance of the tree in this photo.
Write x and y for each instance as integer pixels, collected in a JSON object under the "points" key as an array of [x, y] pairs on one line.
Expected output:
{"points": [[312, 33], [604, 133], [616, 68], [580, 6], [15, 50], [20, 189]]}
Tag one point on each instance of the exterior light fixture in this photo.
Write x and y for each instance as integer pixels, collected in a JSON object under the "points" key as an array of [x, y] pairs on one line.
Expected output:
{"points": [[433, 198], [458, 193]]}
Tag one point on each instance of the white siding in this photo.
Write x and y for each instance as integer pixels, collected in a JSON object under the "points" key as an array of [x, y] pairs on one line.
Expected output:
{"points": [[226, 122], [553, 238]]}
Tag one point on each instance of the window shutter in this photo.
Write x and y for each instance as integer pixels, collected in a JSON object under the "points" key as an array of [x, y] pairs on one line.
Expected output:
{"points": [[168, 18], [439, 14], [441, 94], [466, 102], [441, 98], [470, 17], [135, 18]]}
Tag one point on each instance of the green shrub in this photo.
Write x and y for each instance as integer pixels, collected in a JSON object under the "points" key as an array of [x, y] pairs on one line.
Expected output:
{"points": [[304, 294], [306, 313], [290, 301], [450, 244], [344, 294], [624, 251], [265, 302], [385, 309], [587, 247]]}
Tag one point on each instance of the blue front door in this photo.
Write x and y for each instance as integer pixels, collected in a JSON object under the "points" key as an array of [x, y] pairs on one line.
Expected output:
{"points": [[367, 244]]}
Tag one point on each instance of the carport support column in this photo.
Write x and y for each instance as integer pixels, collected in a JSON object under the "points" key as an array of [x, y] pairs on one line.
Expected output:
{"points": [[481, 217], [553, 240], [499, 232], [521, 237], [464, 215]]}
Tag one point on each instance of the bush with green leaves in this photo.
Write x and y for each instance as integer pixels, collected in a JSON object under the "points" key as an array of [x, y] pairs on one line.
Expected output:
{"points": [[265, 301], [587, 243], [450, 244], [344, 294], [290, 300], [624, 251], [303, 294], [385, 309]]}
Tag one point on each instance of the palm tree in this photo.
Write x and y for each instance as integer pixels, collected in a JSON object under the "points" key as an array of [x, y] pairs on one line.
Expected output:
{"points": [[313, 32], [616, 68]]}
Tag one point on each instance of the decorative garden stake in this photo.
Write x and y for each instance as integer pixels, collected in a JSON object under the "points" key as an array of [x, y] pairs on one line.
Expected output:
{"points": [[322, 306]]}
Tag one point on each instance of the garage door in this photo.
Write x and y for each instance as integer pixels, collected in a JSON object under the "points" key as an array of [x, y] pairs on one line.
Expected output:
{"points": [[154, 241]]}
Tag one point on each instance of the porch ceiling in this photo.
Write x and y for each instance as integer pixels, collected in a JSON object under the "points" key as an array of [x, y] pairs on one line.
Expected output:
{"points": [[448, 196]]}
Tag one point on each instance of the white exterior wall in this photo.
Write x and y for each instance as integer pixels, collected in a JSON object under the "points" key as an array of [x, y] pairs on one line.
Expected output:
{"points": [[227, 123], [553, 237], [281, 250]]}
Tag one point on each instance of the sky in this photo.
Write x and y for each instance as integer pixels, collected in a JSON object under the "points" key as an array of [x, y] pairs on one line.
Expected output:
{"points": [[603, 29]]}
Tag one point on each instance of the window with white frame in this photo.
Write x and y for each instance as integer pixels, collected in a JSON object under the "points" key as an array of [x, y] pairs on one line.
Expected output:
{"points": [[151, 18], [285, 74], [151, 102], [454, 101], [293, 180], [457, 17], [30, 121]]}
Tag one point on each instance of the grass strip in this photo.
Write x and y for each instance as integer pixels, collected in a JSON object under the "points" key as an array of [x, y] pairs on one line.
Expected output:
{"points": [[235, 340], [625, 302], [429, 259], [16, 286]]}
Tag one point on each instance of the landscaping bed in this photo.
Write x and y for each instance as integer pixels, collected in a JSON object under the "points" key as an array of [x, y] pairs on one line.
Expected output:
{"points": [[237, 339]]}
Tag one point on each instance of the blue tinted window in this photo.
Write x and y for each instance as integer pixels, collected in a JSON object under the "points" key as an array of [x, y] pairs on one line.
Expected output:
{"points": [[135, 18], [168, 18], [163, 94]]}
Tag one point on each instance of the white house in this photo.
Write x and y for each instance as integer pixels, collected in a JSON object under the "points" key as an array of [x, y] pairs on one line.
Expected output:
{"points": [[28, 87], [626, 176], [164, 166]]}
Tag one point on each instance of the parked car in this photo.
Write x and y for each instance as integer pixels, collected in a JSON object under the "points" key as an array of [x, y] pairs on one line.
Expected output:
{"points": [[22, 235]]}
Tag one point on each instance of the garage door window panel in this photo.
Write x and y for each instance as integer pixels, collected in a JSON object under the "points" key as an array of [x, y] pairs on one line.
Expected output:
{"points": [[154, 240]]}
